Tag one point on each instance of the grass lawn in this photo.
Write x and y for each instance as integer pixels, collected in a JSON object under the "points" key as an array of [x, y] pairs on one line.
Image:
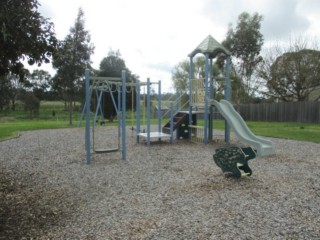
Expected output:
{"points": [[10, 126], [11, 129], [296, 131]]}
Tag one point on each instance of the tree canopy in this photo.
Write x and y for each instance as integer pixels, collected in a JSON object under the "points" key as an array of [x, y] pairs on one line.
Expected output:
{"points": [[294, 75], [24, 35], [245, 42], [71, 59], [180, 73], [112, 66]]}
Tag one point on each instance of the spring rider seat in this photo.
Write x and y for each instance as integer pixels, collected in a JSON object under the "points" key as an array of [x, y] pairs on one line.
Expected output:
{"points": [[233, 160]]}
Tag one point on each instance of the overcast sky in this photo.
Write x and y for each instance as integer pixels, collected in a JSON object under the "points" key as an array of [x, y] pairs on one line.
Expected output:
{"points": [[155, 35]]}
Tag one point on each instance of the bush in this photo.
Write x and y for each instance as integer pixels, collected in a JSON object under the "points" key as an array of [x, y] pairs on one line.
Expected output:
{"points": [[32, 104]]}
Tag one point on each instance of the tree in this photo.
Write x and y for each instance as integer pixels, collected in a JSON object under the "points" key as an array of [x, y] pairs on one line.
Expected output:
{"points": [[24, 35], [31, 103], [180, 73], [40, 81], [180, 77], [12, 87], [112, 66], [245, 43], [4, 93], [293, 75], [71, 60]]}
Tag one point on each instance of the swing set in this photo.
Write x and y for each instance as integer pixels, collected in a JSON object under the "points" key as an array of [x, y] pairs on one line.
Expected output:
{"points": [[101, 85], [119, 85]]}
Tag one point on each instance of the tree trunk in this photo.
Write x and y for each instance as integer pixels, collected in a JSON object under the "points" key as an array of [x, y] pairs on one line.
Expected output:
{"points": [[13, 104]]}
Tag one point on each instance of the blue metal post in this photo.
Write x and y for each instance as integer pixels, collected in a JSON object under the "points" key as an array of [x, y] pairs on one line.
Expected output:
{"points": [[171, 123], [88, 145], [228, 84], [227, 97], [177, 100], [159, 106], [114, 101], [190, 92], [118, 110], [138, 110], [206, 100], [148, 112], [124, 150], [211, 97], [99, 95]]}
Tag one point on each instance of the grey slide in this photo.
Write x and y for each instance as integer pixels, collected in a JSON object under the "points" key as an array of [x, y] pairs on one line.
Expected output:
{"points": [[264, 147]]}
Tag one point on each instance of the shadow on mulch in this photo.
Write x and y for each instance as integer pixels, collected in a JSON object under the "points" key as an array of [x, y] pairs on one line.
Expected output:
{"points": [[29, 211]]}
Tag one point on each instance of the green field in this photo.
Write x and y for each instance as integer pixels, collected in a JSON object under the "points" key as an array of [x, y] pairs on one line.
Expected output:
{"points": [[295, 131], [52, 115]]}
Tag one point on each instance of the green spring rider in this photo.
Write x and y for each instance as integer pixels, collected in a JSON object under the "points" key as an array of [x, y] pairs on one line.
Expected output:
{"points": [[234, 160]]}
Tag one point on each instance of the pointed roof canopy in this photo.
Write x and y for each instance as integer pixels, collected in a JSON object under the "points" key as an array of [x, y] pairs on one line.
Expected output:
{"points": [[209, 46]]}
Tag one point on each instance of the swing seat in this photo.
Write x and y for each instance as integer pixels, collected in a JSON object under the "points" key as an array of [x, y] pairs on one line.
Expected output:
{"points": [[233, 160], [106, 150]]}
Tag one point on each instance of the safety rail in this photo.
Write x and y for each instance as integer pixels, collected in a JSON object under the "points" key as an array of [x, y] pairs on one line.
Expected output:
{"points": [[198, 92], [177, 106], [197, 133]]}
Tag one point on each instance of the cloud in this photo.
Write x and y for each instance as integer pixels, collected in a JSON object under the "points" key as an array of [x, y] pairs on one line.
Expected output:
{"points": [[153, 36], [283, 18]]}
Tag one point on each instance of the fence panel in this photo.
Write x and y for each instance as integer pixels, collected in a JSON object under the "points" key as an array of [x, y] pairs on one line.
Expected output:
{"points": [[305, 112]]}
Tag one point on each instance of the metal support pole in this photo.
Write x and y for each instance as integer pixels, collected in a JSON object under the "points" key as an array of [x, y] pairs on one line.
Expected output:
{"points": [[148, 112], [118, 113], [124, 150], [227, 97], [138, 111], [211, 97], [171, 123], [100, 105], [159, 106], [228, 84], [114, 101], [99, 95], [177, 101], [190, 92], [88, 145], [206, 110], [84, 108]]}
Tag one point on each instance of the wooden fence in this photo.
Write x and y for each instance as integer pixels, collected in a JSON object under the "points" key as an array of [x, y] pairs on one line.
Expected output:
{"points": [[304, 112]]}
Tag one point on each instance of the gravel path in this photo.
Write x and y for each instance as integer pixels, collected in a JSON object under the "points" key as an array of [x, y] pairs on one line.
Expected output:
{"points": [[162, 192]]}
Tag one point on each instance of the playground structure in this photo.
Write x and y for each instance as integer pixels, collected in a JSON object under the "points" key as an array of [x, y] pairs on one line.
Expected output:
{"points": [[102, 85], [232, 160], [201, 101], [119, 85], [202, 90]]}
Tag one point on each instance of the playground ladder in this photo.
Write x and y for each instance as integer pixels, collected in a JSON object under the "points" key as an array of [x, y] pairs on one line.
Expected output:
{"points": [[178, 119]]}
